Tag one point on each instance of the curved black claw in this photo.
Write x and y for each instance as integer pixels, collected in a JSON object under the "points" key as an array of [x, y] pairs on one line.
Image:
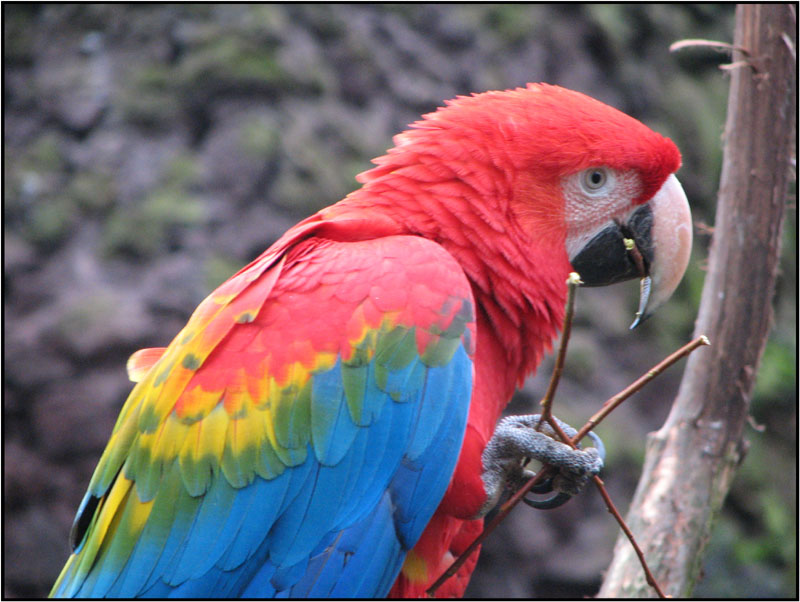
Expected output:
{"points": [[557, 500], [546, 486]]}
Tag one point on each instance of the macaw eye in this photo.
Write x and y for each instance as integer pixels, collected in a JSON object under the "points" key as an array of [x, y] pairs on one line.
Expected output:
{"points": [[594, 179]]}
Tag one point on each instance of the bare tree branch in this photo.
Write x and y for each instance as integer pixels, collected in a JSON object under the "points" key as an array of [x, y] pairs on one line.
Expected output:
{"points": [[692, 459]]}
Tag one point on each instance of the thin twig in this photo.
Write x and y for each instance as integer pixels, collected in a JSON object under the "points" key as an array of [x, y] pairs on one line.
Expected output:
{"points": [[487, 530], [573, 281], [651, 580], [636, 385], [722, 46], [615, 513]]}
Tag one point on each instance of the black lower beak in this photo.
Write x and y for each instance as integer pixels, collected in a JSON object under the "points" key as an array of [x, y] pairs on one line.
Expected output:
{"points": [[618, 252]]}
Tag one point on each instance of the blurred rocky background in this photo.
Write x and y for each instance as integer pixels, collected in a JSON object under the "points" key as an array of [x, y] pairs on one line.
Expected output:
{"points": [[152, 150]]}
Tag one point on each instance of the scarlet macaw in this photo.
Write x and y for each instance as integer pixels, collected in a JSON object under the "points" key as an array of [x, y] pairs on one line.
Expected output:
{"points": [[325, 424]]}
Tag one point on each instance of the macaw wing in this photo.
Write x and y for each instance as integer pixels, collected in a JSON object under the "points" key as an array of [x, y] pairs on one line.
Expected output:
{"points": [[296, 436]]}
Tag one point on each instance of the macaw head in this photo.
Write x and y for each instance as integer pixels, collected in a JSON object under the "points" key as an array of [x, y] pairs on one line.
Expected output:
{"points": [[585, 184]]}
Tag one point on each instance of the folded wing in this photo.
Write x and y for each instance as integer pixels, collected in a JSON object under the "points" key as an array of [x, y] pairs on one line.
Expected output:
{"points": [[296, 436]]}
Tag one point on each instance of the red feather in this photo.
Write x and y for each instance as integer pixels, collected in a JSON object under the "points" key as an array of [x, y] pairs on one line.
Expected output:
{"points": [[482, 178]]}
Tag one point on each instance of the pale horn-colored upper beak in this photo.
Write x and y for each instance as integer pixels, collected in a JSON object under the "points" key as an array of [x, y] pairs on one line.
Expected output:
{"points": [[671, 236]]}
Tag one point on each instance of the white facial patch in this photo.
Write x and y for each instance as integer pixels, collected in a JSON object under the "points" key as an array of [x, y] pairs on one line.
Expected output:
{"points": [[590, 204]]}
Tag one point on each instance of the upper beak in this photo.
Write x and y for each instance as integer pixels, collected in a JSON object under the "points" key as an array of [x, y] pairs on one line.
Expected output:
{"points": [[653, 242]]}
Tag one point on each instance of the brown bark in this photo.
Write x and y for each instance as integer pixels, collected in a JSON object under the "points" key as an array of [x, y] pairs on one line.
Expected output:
{"points": [[692, 459]]}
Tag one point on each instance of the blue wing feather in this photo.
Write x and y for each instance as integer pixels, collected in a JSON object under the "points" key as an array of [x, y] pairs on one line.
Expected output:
{"points": [[338, 523], [328, 407]]}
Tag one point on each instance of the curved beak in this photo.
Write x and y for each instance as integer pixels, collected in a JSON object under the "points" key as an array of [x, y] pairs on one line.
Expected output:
{"points": [[653, 242]]}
